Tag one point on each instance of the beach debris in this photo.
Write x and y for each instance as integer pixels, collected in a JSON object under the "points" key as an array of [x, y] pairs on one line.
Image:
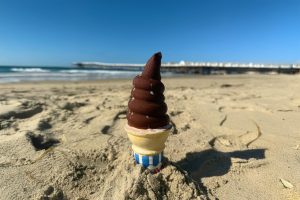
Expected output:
{"points": [[122, 116], [286, 184], [297, 147]]}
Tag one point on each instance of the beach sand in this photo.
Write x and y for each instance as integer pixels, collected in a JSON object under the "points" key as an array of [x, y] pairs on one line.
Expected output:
{"points": [[234, 137]]}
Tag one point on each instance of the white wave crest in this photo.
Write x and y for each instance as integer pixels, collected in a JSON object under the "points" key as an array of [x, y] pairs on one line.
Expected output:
{"points": [[98, 71], [29, 70]]}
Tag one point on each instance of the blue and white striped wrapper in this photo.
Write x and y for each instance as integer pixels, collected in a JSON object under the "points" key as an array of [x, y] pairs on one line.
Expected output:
{"points": [[152, 162]]}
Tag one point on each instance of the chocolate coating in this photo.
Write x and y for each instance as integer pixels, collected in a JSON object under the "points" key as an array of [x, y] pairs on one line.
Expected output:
{"points": [[146, 107]]}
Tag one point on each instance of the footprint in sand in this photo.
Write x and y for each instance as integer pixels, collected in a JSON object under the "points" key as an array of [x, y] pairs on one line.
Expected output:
{"points": [[178, 125], [44, 124], [227, 143], [20, 110], [107, 129], [41, 141]]}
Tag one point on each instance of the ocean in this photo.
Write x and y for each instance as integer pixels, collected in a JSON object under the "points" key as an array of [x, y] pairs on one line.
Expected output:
{"points": [[9, 74]]}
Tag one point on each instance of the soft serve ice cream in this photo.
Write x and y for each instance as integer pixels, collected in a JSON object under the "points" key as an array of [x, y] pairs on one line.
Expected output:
{"points": [[146, 107], [148, 124]]}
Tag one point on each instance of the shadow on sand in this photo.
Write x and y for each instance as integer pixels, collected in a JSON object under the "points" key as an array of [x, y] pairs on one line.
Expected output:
{"points": [[211, 162]]}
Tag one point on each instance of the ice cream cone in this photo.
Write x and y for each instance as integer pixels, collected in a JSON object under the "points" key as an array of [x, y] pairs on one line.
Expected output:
{"points": [[148, 145], [148, 122]]}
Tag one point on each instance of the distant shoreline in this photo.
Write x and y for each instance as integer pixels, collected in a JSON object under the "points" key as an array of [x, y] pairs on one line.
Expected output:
{"points": [[10, 74]]}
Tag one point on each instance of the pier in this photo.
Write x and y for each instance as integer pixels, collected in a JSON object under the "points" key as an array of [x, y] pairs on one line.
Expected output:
{"points": [[205, 68]]}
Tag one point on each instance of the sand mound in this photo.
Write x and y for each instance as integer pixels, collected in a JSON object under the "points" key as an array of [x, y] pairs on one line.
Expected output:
{"points": [[170, 183], [108, 173]]}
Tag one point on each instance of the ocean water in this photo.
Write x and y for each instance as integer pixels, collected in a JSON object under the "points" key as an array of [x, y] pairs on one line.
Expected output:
{"points": [[10, 74]]}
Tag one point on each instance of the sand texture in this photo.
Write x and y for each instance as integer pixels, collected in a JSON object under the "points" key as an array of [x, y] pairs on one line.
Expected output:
{"points": [[234, 137]]}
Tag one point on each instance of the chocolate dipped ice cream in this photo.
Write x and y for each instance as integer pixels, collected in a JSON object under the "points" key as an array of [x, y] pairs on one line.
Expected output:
{"points": [[146, 107]]}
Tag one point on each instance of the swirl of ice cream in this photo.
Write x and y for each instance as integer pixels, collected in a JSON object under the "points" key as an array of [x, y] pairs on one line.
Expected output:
{"points": [[146, 107]]}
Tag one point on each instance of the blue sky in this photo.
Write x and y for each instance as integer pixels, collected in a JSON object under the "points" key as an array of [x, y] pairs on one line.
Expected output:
{"points": [[58, 32]]}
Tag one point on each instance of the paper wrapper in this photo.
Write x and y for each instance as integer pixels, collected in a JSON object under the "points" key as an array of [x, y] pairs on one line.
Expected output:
{"points": [[148, 145]]}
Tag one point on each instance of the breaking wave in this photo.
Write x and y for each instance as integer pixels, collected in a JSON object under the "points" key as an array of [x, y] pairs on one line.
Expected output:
{"points": [[30, 70]]}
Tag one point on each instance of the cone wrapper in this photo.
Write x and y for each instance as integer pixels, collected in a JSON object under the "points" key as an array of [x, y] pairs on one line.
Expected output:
{"points": [[148, 145]]}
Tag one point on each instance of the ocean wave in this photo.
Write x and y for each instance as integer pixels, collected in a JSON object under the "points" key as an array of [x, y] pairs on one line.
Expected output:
{"points": [[28, 70], [73, 71], [24, 77], [64, 76]]}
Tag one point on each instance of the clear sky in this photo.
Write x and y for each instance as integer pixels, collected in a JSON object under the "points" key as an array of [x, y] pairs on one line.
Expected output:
{"points": [[59, 32]]}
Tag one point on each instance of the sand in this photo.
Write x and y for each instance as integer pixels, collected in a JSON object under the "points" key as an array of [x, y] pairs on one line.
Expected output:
{"points": [[234, 137]]}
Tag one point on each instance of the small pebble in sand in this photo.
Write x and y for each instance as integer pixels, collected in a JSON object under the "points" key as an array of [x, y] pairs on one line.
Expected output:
{"points": [[286, 184]]}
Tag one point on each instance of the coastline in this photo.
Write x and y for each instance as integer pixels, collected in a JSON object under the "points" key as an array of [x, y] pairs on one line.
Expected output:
{"points": [[235, 136], [10, 74], [171, 77]]}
